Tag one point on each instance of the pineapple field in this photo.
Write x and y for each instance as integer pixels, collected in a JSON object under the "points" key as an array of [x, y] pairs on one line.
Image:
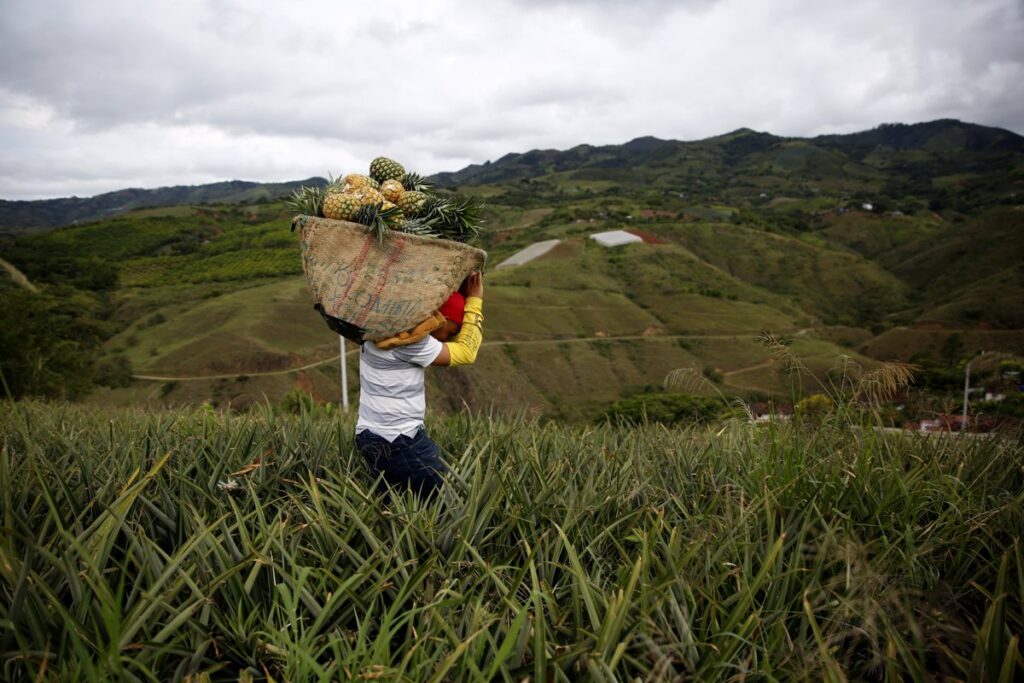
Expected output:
{"points": [[187, 545]]}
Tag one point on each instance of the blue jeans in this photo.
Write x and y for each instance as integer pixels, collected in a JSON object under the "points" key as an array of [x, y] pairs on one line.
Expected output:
{"points": [[405, 462]]}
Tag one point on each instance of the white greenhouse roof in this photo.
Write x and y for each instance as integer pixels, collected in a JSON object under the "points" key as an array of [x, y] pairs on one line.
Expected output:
{"points": [[615, 238], [529, 253]]}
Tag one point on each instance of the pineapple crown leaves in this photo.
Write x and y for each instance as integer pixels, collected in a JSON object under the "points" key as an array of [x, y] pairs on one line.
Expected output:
{"points": [[310, 200], [333, 184], [377, 219], [307, 200], [456, 218], [414, 182], [419, 226]]}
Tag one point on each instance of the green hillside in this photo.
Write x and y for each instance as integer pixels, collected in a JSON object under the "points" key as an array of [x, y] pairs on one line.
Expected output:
{"points": [[18, 217], [847, 245]]}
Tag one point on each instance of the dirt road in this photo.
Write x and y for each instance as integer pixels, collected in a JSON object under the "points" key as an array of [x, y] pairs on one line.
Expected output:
{"points": [[522, 342]]}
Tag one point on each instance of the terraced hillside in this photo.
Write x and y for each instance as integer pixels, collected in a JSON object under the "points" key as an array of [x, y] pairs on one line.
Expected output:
{"points": [[849, 246]]}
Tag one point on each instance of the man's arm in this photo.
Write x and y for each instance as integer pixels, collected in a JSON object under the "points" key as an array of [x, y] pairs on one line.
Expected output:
{"points": [[444, 359], [463, 349]]}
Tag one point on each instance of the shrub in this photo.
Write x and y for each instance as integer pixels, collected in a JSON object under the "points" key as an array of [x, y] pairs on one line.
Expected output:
{"points": [[665, 408], [713, 374], [1011, 406], [152, 320], [114, 372], [297, 402], [814, 407]]}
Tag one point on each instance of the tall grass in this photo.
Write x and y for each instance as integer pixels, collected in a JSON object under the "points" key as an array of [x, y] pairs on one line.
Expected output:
{"points": [[196, 546]]}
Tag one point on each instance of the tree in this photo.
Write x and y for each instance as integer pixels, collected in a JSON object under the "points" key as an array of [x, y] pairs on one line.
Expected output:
{"points": [[953, 348], [48, 341]]}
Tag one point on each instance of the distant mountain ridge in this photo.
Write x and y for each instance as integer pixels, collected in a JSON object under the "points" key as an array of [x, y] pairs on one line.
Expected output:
{"points": [[25, 216], [978, 145], [895, 152]]}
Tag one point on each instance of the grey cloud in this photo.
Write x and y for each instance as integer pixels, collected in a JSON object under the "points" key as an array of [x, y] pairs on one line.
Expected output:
{"points": [[533, 92], [107, 92], [603, 5], [103, 74]]}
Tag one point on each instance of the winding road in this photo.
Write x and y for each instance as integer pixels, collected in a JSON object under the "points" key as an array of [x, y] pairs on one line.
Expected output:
{"points": [[521, 342]]}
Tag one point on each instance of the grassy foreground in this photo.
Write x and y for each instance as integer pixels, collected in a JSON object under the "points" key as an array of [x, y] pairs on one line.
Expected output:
{"points": [[195, 546]]}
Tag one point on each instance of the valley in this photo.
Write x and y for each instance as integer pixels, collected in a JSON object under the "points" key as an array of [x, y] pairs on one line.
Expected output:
{"points": [[858, 249]]}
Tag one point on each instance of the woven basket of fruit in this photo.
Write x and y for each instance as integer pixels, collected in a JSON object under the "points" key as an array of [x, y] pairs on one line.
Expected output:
{"points": [[382, 252]]}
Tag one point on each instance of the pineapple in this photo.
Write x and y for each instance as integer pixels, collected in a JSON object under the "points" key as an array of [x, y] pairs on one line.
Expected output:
{"points": [[392, 190], [412, 203], [391, 199], [340, 206], [394, 218], [382, 169], [355, 180], [366, 195]]}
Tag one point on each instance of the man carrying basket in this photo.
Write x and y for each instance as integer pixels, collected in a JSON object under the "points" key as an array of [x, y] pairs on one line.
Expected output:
{"points": [[392, 402]]}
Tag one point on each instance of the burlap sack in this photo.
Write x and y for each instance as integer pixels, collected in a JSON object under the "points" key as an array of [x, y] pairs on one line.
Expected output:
{"points": [[380, 289]]}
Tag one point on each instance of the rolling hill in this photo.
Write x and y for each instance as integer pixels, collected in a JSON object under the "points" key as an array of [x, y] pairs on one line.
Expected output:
{"points": [[863, 247], [18, 217]]}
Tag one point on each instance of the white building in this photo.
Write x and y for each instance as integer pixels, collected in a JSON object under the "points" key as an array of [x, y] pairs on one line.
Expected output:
{"points": [[535, 250], [615, 238]]}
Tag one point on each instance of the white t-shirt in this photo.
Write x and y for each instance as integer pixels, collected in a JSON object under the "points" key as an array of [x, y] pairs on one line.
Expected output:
{"points": [[392, 400]]}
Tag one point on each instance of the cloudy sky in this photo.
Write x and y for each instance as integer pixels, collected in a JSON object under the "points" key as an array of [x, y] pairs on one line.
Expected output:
{"points": [[107, 94]]}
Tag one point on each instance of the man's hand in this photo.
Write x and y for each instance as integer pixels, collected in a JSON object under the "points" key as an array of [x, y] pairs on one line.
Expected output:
{"points": [[475, 284]]}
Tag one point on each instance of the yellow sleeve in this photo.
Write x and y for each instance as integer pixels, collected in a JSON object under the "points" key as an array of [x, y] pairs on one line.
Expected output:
{"points": [[463, 348]]}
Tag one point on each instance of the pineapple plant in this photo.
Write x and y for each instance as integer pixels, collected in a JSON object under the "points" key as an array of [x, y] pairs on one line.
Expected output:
{"points": [[382, 169]]}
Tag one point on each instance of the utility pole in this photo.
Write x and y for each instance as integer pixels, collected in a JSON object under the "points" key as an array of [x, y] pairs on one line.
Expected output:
{"points": [[967, 378], [967, 386], [344, 374]]}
